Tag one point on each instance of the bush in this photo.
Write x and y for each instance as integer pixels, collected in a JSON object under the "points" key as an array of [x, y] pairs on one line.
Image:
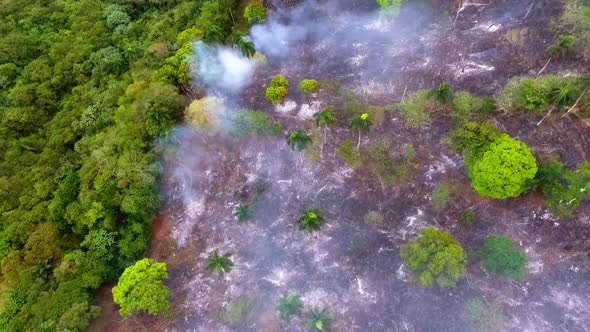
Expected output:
{"points": [[443, 195], [483, 316], [435, 257], [468, 216], [317, 320], [389, 7], [348, 152], [373, 218], [504, 169], [255, 13], [523, 93], [473, 139], [278, 89], [575, 19], [249, 123], [288, 305], [205, 112], [416, 109], [309, 86], [499, 255], [389, 169], [311, 220]]}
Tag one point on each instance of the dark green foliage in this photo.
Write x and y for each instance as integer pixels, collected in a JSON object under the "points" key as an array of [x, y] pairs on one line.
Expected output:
{"points": [[311, 220], [278, 89], [443, 94], [564, 96], [483, 316], [246, 48], [504, 170], [317, 320], [435, 257], [243, 212], [468, 216], [249, 123], [472, 139], [219, 264], [361, 123], [288, 305], [298, 140], [255, 13], [562, 46], [325, 118], [499, 255]]}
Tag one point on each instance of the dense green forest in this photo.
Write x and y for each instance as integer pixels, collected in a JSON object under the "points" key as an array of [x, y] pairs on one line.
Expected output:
{"points": [[86, 87]]}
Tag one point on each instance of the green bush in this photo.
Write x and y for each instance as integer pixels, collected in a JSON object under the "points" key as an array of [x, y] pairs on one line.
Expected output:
{"points": [[311, 220], [504, 169], [499, 255], [317, 320], [255, 12], [289, 305], [575, 19], [484, 317], [348, 152], [416, 109], [435, 257], [443, 195], [473, 139], [523, 93], [278, 89], [389, 169], [468, 216], [389, 7], [249, 123], [309, 86]]}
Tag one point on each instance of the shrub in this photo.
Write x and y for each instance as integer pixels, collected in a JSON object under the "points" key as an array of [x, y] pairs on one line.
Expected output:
{"points": [[575, 19], [483, 316], [387, 168], [473, 139], [311, 220], [373, 218], [298, 140], [317, 320], [416, 109], [249, 123], [205, 112], [242, 213], [443, 195], [187, 35], [309, 86], [255, 12], [565, 189], [435, 257], [499, 255], [468, 216], [443, 94], [220, 264], [523, 93], [389, 7], [504, 169], [348, 152], [289, 305], [278, 89]]}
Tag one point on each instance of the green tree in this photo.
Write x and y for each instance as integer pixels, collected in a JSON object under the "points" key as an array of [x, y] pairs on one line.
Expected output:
{"points": [[298, 140], [311, 220], [220, 264], [246, 48], [389, 7], [435, 257], [317, 320], [504, 169], [140, 288], [325, 119], [308, 87], [278, 89], [254, 13], [443, 94], [362, 124], [499, 255], [561, 48], [289, 304], [473, 139]]}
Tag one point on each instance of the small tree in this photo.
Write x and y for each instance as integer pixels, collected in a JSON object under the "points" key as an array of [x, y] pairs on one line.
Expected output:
{"points": [[242, 213], [435, 257], [247, 48], [311, 220], [308, 87], [362, 124], [504, 169], [254, 13], [389, 7], [499, 255], [140, 288], [221, 264], [444, 94], [278, 89], [288, 305], [298, 140], [325, 119], [558, 50], [317, 320]]}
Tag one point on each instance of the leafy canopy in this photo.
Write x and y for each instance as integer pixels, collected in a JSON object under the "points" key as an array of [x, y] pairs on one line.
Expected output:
{"points": [[317, 320], [220, 264], [254, 13], [288, 305], [140, 288], [325, 118], [504, 169], [499, 255], [309, 86], [435, 257], [311, 220], [361, 123], [298, 140], [278, 89]]}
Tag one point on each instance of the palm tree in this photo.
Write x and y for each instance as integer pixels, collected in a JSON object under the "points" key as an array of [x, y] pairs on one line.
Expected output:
{"points": [[444, 93], [288, 305], [558, 50], [562, 96], [325, 119], [298, 140], [317, 320], [242, 213], [246, 48], [311, 220], [221, 264], [362, 124]]}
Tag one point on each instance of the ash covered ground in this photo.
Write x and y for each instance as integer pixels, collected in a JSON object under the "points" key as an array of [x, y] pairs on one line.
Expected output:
{"points": [[349, 267]]}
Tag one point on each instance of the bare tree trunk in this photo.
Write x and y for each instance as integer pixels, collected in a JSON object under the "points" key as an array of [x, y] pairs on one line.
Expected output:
{"points": [[544, 67], [232, 16], [359, 142], [546, 115], [576, 104], [528, 11]]}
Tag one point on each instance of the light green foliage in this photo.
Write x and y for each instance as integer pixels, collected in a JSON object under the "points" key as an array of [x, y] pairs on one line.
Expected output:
{"points": [[443, 195], [278, 89], [523, 93], [390, 169], [220, 264], [499, 255], [140, 288], [575, 19], [309, 86], [562, 46], [443, 94], [205, 112], [468, 216], [254, 13], [389, 7], [188, 35], [348, 152], [435, 257], [361, 123], [317, 320], [416, 109], [472, 139], [311, 220], [250, 123], [288, 305], [298, 140], [504, 169], [373, 218], [116, 15], [483, 316]]}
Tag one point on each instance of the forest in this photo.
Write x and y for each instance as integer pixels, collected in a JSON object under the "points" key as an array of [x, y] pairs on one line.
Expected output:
{"points": [[279, 165]]}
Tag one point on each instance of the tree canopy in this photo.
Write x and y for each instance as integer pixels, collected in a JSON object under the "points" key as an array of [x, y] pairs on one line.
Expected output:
{"points": [[278, 89]]}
